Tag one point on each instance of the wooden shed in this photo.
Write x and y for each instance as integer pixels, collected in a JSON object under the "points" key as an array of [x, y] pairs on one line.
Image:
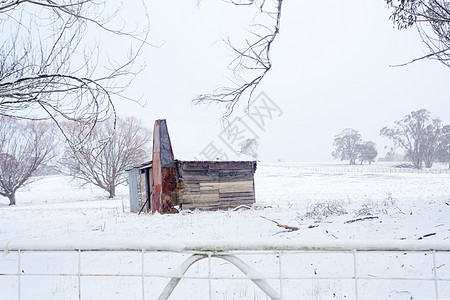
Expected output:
{"points": [[215, 184], [164, 182]]}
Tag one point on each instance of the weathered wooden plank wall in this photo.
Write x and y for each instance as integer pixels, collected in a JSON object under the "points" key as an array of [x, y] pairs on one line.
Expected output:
{"points": [[142, 191], [210, 185]]}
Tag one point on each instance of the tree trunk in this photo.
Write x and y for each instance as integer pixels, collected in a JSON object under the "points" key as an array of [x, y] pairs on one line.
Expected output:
{"points": [[12, 199], [417, 163], [112, 192], [428, 162]]}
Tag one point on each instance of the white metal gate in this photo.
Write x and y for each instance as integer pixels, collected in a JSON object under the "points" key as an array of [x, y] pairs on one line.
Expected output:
{"points": [[276, 269]]}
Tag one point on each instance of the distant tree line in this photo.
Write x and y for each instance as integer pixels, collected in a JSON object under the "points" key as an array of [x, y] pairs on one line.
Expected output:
{"points": [[425, 140]]}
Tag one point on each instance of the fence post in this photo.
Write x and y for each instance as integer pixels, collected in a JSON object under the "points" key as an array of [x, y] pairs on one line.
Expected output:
{"points": [[143, 277], [209, 275], [280, 273], [435, 275], [18, 274], [355, 273], [79, 274]]}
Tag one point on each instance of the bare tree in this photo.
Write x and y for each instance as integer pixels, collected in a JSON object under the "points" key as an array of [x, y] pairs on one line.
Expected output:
{"points": [[52, 65], [25, 146], [366, 151], [391, 155], [443, 149], [252, 61], [250, 147], [418, 135], [346, 145], [432, 20], [432, 136], [103, 159]]}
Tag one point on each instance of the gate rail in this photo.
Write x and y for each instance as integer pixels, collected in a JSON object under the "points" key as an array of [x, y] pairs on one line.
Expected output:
{"points": [[228, 251]]}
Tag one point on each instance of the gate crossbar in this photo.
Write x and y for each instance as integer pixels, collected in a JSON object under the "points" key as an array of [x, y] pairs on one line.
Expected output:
{"points": [[228, 250]]}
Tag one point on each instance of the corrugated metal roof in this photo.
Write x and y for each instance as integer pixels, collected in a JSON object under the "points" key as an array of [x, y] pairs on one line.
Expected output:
{"points": [[141, 166]]}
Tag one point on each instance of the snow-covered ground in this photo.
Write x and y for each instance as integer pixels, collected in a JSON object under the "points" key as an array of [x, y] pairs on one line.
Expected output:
{"points": [[408, 205], [326, 201]]}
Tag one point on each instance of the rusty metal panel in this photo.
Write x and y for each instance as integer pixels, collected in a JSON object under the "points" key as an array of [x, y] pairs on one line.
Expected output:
{"points": [[164, 172], [167, 159], [157, 183], [156, 169], [169, 188]]}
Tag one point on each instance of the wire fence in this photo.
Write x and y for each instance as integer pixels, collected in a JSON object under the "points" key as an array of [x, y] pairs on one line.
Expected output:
{"points": [[227, 270], [366, 168]]}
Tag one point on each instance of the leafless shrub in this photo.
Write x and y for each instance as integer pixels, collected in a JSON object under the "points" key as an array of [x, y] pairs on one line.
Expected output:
{"points": [[390, 200], [371, 208], [326, 209]]}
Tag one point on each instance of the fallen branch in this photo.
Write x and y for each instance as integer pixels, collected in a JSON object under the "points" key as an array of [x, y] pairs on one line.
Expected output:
{"points": [[399, 210], [360, 219], [331, 234], [290, 228], [427, 235]]}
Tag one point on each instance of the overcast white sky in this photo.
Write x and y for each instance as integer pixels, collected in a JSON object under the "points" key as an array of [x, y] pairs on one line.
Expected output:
{"points": [[330, 71]]}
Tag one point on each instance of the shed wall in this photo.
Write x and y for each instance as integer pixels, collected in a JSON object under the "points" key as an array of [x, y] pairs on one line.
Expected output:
{"points": [[133, 186], [210, 185]]}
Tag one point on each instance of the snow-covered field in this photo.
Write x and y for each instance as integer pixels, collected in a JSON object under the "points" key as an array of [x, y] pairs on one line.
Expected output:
{"points": [[325, 201]]}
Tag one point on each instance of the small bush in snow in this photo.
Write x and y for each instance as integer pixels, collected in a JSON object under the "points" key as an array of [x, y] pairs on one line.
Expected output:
{"points": [[371, 208], [389, 201], [321, 210]]}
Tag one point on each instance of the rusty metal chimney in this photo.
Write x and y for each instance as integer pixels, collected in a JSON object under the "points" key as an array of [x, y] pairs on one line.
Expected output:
{"points": [[164, 172]]}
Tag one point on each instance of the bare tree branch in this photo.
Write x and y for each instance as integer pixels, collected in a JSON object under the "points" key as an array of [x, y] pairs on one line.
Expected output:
{"points": [[52, 67], [252, 61], [432, 21]]}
